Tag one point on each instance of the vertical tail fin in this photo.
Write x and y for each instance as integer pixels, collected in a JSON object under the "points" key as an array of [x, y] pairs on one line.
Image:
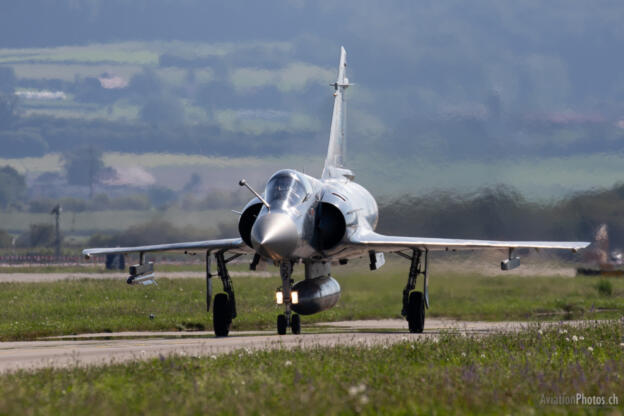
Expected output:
{"points": [[334, 162], [598, 251]]}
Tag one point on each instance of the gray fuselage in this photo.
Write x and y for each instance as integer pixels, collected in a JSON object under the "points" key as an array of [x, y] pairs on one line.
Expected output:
{"points": [[308, 218]]}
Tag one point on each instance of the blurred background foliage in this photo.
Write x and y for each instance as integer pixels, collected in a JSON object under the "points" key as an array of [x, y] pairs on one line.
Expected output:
{"points": [[481, 119]]}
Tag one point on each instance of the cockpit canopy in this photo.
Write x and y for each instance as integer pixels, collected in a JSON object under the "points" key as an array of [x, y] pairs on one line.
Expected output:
{"points": [[285, 189]]}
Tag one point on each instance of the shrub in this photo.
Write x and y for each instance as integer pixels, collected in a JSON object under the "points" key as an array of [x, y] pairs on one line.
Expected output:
{"points": [[604, 287], [39, 235], [6, 239]]}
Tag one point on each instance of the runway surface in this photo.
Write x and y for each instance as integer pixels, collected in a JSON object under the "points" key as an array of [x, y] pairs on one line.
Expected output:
{"points": [[108, 348]]}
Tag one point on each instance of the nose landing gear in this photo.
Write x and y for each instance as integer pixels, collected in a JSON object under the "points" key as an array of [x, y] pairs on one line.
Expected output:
{"points": [[287, 319]]}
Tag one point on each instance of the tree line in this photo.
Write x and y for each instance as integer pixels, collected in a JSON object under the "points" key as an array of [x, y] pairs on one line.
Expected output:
{"points": [[498, 212], [503, 213], [491, 213]]}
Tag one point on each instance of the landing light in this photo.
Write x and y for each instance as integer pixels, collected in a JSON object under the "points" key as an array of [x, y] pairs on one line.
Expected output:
{"points": [[279, 297]]}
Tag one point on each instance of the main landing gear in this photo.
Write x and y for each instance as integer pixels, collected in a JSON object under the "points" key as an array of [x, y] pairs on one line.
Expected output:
{"points": [[414, 302], [224, 309], [287, 319]]}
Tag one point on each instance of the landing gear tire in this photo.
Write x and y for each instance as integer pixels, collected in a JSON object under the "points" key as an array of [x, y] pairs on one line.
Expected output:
{"points": [[221, 315], [416, 312], [281, 324], [295, 324]]}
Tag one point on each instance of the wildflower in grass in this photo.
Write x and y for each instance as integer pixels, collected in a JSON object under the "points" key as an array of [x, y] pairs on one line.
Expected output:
{"points": [[563, 331], [482, 355], [581, 337], [539, 331], [590, 349], [360, 388], [364, 399], [463, 354], [574, 338], [288, 363], [621, 344], [214, 357], [567, 339]]}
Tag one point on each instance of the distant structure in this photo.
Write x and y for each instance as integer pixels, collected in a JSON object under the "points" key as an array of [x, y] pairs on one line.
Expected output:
{"points": [[56, 211]]}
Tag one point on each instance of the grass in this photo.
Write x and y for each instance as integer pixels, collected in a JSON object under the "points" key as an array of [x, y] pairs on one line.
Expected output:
{"points": [[511, 373], [32, 310]]}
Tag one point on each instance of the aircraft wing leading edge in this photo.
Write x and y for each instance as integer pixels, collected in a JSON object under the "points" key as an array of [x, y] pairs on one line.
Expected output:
{"points": [[229, 244], [387, 243]]}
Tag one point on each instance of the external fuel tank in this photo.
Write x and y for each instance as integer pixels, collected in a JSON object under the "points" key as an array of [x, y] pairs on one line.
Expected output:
{"points": [[316, 295]]}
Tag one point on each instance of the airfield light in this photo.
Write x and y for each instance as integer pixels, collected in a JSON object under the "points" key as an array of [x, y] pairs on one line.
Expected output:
{"points": [[279, 297], [294, 297]]}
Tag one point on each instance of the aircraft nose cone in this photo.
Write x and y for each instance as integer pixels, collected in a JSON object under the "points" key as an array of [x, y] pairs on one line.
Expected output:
{"points": [[274, 235]]}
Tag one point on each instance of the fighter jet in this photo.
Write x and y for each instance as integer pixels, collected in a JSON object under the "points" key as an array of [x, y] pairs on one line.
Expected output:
{"points": [[318, 222], [599, 260]]}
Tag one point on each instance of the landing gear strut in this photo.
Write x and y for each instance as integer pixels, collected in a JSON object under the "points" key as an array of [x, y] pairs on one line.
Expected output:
{"points": [[224, 309], [287, 319], [414, 302]]}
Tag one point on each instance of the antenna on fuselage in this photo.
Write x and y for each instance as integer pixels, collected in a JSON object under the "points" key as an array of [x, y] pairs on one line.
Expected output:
{"points": [[244, 183]]}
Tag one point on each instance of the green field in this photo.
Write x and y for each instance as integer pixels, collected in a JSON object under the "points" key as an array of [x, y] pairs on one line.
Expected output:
{"points": [[117, 220], [513, 373], [541, 179], [34, 310]]}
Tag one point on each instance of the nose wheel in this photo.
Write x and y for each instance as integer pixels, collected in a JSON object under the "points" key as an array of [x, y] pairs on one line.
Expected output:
{"points": [[295, 324], [282, 324]]}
